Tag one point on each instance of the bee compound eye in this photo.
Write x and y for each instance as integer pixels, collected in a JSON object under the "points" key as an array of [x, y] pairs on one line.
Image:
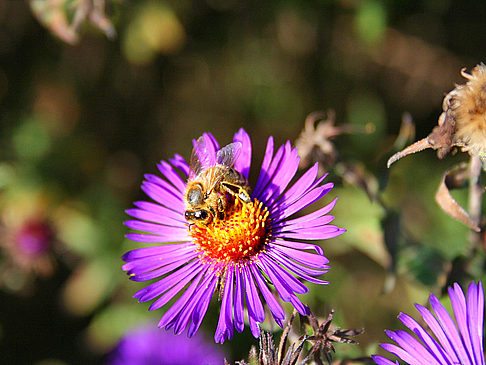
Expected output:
{"points": [[195, 196], [201, 214]]}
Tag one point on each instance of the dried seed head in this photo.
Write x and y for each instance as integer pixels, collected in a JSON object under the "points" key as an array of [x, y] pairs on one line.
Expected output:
{"points": [[462, 122], [467, 104]]}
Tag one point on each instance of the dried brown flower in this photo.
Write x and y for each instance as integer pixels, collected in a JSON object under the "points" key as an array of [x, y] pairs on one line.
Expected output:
{"points": [[324, 335], [468, 105], [315, 141], [462, 122], [316, 346]]}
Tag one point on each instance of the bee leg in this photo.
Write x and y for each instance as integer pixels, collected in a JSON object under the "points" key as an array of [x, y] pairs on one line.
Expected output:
{"points": [[221, 208], [243, 196], [237, 191], [213, 212]]}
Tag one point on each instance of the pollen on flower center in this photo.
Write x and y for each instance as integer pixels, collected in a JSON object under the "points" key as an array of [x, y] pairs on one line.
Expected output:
{"points": [[236, 238]]}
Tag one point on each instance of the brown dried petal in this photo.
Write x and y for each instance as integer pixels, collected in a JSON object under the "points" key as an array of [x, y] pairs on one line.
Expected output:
{"points": [[451, 207]]}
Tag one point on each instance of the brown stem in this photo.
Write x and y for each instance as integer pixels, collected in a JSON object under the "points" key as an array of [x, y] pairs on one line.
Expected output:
{"points": [[475, 199]]}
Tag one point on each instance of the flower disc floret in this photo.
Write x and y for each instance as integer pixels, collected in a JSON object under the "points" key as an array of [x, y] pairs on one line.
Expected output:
{"points": [[237, 238]]}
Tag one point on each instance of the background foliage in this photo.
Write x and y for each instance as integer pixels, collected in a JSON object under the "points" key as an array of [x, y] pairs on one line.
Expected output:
{"points": [[84, 113]]}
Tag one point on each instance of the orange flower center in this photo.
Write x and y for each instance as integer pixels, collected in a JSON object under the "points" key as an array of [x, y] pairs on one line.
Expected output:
{"points": [[236, 238]]}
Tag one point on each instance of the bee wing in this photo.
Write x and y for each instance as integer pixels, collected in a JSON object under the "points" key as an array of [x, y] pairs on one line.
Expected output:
{"points": [[227, 155], [201, 158]]}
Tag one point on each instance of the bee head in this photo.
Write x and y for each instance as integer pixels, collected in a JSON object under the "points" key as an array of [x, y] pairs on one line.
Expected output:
{"points": [[202, 216]]}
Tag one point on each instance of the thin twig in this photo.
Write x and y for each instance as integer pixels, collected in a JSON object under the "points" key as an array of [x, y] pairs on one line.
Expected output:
{"points": [[475, 199]]}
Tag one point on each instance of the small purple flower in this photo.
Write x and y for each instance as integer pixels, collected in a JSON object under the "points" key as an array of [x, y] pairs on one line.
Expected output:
{"points": [[29, 246], [34, 238], [257, 242], [459, 342], [150, 346]]}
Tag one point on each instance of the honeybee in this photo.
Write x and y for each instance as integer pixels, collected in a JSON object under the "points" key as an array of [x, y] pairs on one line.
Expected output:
{"points": [[212, 185]]}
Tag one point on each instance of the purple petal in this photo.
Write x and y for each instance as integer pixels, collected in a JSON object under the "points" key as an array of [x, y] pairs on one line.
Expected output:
{"points": [[254, 328], [267, 159], [297, 269], [181, 282], [314, 215], [186, 314], [316, 223], [283, 289], [279, 257], [200, 297], [288, 280], [436, 329], [306, 200], [306, 258], [179, 162], [153, 238], [475, 319], [163, 197], [148, 264], [434, 348], [402, 354], [273, 304], [458, 302], [450, 329], [299, 187], [174, 310], [155, 289], [212, 140], [159, 229], [284, 173], [255, 307], [320, 233], [380, 360], [163, 270], [161, 211], [224, 330], [301, 308], [169, 188], [298, 245], [202, 307], [266, 172], [171, 175], [175, 236], [229, 286], [157, 218], [413, 347], [239, 317], [269, 183], [243, 162], [155, 250]]}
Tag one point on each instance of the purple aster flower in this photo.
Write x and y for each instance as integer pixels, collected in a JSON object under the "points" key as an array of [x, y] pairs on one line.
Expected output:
{"points": [[459, 342], [256, 243], [147, 345]]}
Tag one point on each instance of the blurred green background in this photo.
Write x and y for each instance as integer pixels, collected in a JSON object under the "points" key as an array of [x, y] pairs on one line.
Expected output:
{"points": [[84, 114]]}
